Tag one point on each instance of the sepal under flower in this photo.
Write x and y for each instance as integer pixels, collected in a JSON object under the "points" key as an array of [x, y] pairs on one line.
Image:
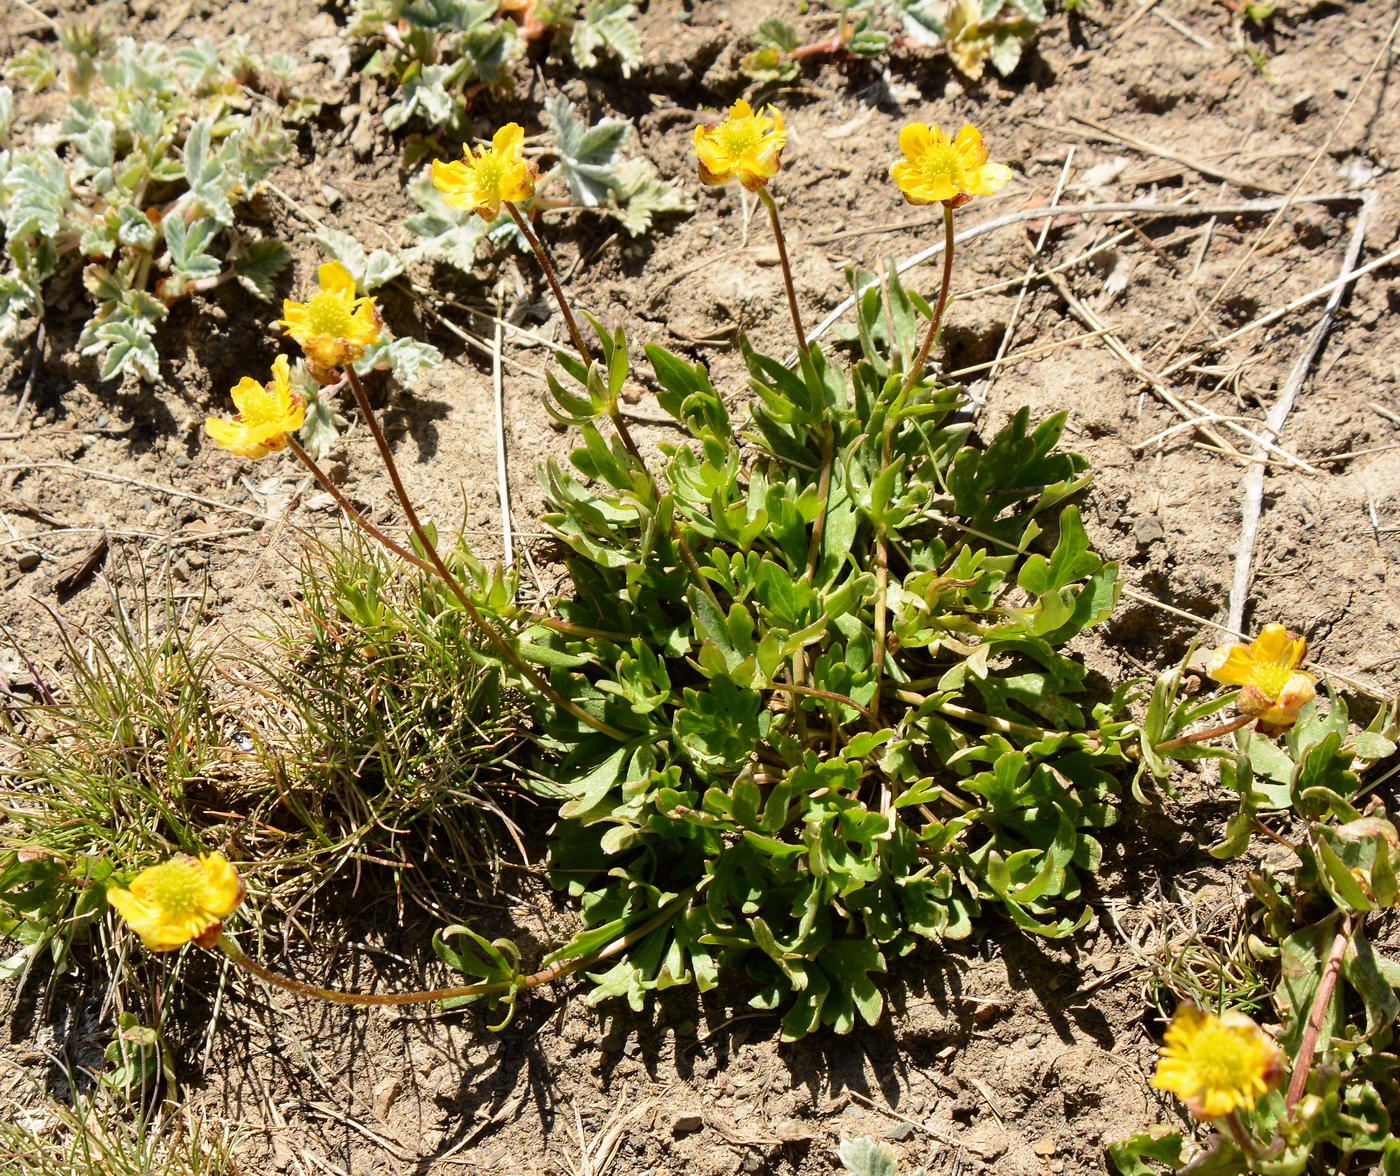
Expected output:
{"points": [[333, 326], [185, 899], [267, 413], [1217, 1065], [747, 147], [484, 180], [938, 169], [1272, 689]]}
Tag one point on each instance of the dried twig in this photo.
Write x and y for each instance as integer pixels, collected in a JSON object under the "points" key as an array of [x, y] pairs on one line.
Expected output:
{"points": [[1175, 156], [1273, 424]]}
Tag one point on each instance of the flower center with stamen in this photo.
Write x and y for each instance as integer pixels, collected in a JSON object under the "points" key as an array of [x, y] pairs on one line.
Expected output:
{"points": [[941, 162], [1270, 680], [178, 889], [737, 139], [1221, 1060], [328, 314], [489, 173]]}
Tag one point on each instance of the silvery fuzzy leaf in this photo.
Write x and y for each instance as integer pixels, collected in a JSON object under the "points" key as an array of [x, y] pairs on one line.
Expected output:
{"points": [[35, 194], [187, 245], [867, 1157], [370, 270], [126, 349], [587, 155], [133, 227], [607, 25], [406, 358], [641, 195], [425, 95]]}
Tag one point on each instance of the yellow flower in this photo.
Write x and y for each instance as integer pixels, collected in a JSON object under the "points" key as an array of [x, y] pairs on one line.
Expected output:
{"points": [[483, 181], [266, 414], [1216, 1064], [332, 326], [745, 146], [1273, 689], [936, 169], [183, 899]]}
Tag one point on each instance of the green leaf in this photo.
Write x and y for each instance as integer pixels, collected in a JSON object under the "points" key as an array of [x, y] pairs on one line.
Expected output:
{"points": [[261, 260], [1160, 1145], [187, 244]]}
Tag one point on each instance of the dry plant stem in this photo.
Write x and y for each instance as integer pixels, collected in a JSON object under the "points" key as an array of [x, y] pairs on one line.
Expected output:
{"points": [[493, 636], [552, 278], [1253, 482], [1331, 967], [350, 512], [424, 996], [1208, 733]]}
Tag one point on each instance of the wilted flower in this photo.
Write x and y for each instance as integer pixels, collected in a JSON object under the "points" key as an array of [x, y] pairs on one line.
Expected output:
{"points": [[1273, 690], [180, 900], [745, 146], [484, 180], [1216, 1064], [266, 414], [332, 326], [935, 168]]}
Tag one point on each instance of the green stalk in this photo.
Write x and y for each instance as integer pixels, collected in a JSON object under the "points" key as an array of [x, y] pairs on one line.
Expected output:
{"points": [[553, 279], [882, 537], [484, 988], [492, 634]]}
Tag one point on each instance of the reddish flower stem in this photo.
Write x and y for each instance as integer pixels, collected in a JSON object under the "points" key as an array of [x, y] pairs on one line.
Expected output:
{"points": [[1327, 982]]}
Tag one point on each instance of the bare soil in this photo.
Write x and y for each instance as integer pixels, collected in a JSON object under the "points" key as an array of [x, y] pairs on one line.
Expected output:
{"points": [[1005, 1055]]}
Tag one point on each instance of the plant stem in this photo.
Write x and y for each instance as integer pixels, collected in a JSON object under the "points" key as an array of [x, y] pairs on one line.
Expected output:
{"points": [[830, 696], [1208, 733], [772, 206], [552, 278], [882, 537], [1232, 1120], [515, 984], [1326, 983], [953, 710], [493, 636], [916, 369], [350, 512]]}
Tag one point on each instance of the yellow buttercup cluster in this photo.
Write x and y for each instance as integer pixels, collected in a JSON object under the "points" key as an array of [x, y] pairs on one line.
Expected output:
{"points": [[267, 413], [333, 326], [938, 169], [747, 147], [1273, 690], [1217, 1065], [178, 901], [485, 180]]}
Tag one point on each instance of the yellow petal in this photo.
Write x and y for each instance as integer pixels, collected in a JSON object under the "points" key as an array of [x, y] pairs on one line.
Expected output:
{"points": [[1231, 665], [334, 278], [740, 109], [1275, 646], [509, 140], [987, 179], [969, 143], [915, 139]]}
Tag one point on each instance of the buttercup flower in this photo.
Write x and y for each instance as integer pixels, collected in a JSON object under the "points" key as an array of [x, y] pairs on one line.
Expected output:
{"points": [[745, 146], [1273, 690], [266, 414], [332, 326], [183, 899], [483, 180], [1216, 1064], [935, 168]]}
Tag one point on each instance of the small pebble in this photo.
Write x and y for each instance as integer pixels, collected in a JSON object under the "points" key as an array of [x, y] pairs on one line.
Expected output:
{"points": [[686, 1122], [28, 560]]}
